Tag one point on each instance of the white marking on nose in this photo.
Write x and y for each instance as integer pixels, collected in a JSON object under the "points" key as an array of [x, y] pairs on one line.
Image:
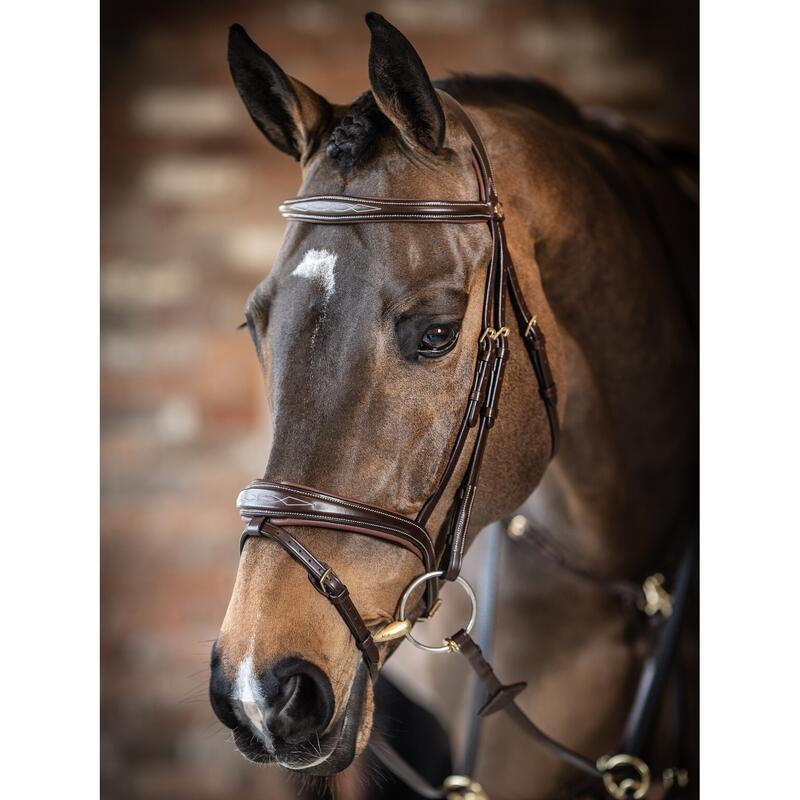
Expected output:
{"points": [[248, 692], [318, 265]]}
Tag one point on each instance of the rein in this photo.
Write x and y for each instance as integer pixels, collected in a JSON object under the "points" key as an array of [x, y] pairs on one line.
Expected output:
{"points": [[272, 507]]}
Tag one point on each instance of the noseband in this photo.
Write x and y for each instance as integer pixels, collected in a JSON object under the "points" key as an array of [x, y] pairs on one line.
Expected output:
{"points": [[272, 507]]}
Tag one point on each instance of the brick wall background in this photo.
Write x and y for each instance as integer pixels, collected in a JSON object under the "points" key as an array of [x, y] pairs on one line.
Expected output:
{"points": [[189, 190]]}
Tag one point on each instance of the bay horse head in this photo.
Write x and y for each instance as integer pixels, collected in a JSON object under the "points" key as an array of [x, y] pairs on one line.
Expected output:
{"points": [[368, 337]]}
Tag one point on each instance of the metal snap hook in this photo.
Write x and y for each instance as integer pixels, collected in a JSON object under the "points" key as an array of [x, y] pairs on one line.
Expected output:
{"points": [[401, 616], [462, 787]]}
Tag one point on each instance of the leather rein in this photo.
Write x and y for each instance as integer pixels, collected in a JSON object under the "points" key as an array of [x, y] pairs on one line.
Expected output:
{"points": [[272, 507]]}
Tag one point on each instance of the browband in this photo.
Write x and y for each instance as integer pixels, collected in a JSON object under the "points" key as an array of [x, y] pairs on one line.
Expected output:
{"points": [[273, 506], [338, 209]]}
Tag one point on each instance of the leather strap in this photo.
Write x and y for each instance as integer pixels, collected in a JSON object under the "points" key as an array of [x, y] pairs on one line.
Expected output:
{"points": [[399, 767], [663, 660], [501, 697], [536, 345], [325, 581]]}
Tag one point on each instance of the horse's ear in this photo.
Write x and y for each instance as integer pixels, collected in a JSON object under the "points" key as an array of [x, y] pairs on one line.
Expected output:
{"points": [[286, 111], [401, 86]]}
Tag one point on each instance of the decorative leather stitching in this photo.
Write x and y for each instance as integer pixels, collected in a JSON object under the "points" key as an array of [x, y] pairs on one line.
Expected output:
{"points": [[340, 501], [428, 552]]}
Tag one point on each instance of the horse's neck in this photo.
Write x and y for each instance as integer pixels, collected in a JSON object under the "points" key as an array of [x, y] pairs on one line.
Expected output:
{"points": [[611, 272]]}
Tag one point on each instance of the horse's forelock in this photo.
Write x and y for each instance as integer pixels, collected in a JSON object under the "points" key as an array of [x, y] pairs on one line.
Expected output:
{"points": [[353, 139]]}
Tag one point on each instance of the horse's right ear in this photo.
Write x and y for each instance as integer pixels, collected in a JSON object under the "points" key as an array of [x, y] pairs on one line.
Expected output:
{"points": [[286, 111], [401, 86]]}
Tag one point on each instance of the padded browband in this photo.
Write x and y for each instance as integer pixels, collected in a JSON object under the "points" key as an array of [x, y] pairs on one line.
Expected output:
{"points": [[338, 209]]}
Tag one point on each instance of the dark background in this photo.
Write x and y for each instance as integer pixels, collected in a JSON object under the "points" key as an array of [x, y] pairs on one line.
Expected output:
{"points": [[189, 223]]}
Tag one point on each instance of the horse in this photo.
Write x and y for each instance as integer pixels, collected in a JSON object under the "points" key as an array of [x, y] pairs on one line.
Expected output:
{"points": [[367, 335]]}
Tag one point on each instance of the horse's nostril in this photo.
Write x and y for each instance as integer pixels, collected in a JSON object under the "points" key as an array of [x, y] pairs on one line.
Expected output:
{"points": [[299, 700]]}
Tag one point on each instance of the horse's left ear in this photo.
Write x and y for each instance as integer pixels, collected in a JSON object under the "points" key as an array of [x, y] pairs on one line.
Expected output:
{"points": [[401, 86], [286, 111]]}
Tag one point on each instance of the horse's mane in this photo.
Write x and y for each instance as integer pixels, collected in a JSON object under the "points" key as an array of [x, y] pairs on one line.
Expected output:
{"points": [[353, 139], [505, 90]]}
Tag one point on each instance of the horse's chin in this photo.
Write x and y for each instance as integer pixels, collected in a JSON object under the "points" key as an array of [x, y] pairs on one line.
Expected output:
{"points": [[329, 754]]}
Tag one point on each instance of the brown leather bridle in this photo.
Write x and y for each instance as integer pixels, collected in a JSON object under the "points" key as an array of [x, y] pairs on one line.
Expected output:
{"points": [[273, 506]]}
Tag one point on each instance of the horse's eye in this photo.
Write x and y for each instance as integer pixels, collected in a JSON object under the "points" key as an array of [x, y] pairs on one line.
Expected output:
{"points": [[438, 339]]}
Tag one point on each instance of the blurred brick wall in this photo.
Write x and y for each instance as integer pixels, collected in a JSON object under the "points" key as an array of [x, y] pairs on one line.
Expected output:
{"points": [[189, 191]]}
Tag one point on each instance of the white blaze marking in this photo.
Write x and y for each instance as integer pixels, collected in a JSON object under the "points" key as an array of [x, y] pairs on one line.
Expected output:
{"points": [[248, 692], [318, 265]]}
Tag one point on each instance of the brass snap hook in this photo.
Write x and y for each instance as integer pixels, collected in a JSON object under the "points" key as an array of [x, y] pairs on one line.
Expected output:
{"points": [[462, 787], [632, 787]]}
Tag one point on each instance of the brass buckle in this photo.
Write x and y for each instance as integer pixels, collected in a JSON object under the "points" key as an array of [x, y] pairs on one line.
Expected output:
{"points": [[493, 334], [657, 600], [497, 211], [633, 787], [324, 577], [504, 331], [462, 787], [531, 325]]}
